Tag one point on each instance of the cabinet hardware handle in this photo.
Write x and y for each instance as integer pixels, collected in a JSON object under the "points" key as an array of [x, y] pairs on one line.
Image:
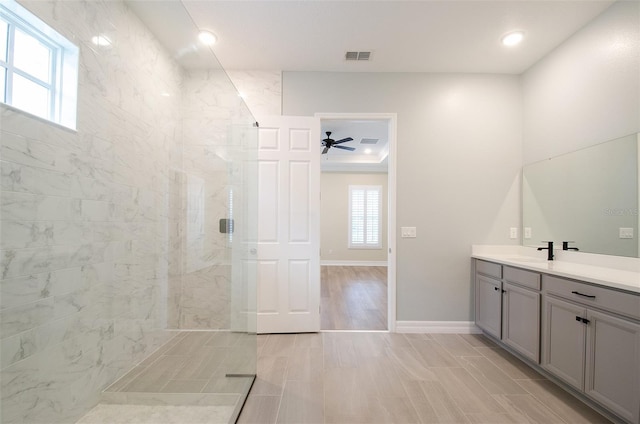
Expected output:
{"points": [[585, 295], [579, 319], [496, 288], [585, 321]]}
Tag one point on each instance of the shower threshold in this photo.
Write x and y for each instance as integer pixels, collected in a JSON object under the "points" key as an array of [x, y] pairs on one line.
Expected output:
{"points": [[201, 376]]}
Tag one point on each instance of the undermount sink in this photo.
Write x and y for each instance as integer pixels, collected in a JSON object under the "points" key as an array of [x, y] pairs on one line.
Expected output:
{"points": [[526, 259]]}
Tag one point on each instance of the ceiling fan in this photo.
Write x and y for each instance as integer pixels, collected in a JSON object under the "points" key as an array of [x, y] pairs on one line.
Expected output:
{"points": [[329, 143]]}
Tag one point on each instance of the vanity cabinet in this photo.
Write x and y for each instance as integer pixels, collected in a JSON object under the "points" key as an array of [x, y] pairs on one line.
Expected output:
{"points": [[589, 344], [508, 306], [585, 334], [488, 288]]}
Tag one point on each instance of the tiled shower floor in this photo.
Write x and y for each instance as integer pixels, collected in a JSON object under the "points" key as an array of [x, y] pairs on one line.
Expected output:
{"points": [[189, 371]]}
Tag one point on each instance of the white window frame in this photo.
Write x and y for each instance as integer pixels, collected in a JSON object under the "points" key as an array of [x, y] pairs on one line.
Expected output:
{"points": [[63, 70], [367, 244]]}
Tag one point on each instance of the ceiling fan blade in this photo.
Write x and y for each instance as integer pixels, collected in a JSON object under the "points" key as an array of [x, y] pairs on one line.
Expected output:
{"points": [[326, 149], [345, 148], [344, 140]]}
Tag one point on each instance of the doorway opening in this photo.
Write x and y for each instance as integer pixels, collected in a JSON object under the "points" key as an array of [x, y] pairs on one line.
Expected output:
{"points": [[357, 221]]}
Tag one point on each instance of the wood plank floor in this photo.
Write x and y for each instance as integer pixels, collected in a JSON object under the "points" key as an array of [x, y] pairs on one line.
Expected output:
{"points": [[364, 377], [354, 298]]}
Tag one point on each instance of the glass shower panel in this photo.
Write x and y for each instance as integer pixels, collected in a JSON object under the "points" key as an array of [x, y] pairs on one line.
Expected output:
{"points": [[212, 219]]}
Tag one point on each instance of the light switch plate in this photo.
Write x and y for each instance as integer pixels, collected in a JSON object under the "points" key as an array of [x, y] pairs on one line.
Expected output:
{"points": [[626, 233], [527, 232], [407, 232], [513, 233]]}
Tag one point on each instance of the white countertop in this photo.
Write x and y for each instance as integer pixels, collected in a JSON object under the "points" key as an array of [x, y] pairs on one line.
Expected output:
{"points": [[608, 271]]}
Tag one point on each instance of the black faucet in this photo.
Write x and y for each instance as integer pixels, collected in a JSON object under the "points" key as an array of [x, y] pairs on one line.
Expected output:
{"points": [[549, 249], [565, 246]]}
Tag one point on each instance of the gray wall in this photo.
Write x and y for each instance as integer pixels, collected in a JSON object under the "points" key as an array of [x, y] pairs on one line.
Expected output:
{"points": [[586, 91], [459, 155]]}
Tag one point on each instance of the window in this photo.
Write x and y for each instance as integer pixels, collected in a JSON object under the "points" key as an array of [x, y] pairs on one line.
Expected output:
{"points": [[364, 217], [38, 66]]}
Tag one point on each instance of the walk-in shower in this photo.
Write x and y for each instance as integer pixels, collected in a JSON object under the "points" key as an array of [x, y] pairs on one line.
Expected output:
{"points": [[121, 287]]}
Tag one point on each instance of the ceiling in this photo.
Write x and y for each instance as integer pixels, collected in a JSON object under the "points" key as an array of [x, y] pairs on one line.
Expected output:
{"points": [[403, 36], [366, 156]]}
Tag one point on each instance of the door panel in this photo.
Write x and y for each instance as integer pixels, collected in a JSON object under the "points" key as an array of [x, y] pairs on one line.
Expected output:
{"points": [[268, 194], [521, 322], [613, 364], [489, 305], [564, 341], [289, 225]]}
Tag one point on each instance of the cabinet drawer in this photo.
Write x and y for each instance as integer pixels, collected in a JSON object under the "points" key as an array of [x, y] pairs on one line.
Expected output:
{"points": [[489, 268], [523, 278], [587, 294]]}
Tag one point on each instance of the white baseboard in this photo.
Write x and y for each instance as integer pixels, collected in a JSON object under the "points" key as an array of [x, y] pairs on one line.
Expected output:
{"points": [[353, 263], [457, 327]]}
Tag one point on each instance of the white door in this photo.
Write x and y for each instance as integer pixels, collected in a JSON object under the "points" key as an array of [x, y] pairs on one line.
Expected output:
{"points": [[288, 257]]}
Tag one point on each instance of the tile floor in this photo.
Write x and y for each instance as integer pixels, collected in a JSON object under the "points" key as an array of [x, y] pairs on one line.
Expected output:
{"points": [[345, 377], [353, 297], [351, 377]]}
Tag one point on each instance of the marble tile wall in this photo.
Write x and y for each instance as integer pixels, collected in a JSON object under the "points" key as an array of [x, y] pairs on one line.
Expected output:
{"points": [[262, 91], [213, 122], [89, 220]]}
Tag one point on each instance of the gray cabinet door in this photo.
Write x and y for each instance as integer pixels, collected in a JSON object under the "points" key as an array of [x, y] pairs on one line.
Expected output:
{"points": [[489, 305], [563, 340], [521, 320], [613, 364]]}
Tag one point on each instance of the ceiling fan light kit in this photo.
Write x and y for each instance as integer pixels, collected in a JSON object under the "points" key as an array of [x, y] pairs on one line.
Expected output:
{"points": [[328, 143]]}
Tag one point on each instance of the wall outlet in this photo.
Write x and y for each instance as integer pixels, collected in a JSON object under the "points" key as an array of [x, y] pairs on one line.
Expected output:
{"points": [[407, 232], [527, 232], [626, 233], [513, 233]]}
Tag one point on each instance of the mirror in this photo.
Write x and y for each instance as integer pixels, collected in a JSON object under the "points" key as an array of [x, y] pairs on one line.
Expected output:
{"points": [[589, 197]]}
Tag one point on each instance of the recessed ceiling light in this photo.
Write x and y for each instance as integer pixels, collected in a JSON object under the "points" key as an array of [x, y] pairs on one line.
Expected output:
{"points": [[207, 38], [101, 40], [367, 151], [512, 38]]}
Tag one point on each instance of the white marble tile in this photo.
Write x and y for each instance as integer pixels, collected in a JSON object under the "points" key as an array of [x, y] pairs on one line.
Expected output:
{"points": [[24, 151], [28, 179], [33, 207], [262, 91], [24, 234], [146, 414]]}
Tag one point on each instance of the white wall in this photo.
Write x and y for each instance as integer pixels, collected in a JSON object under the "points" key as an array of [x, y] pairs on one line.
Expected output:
{"points": [[334, 213], [587, 90], [459, 157]]}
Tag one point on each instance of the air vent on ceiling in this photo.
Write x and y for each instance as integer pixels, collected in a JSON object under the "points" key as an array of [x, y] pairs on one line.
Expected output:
{"points": [[369, 141], [357, 55]]}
